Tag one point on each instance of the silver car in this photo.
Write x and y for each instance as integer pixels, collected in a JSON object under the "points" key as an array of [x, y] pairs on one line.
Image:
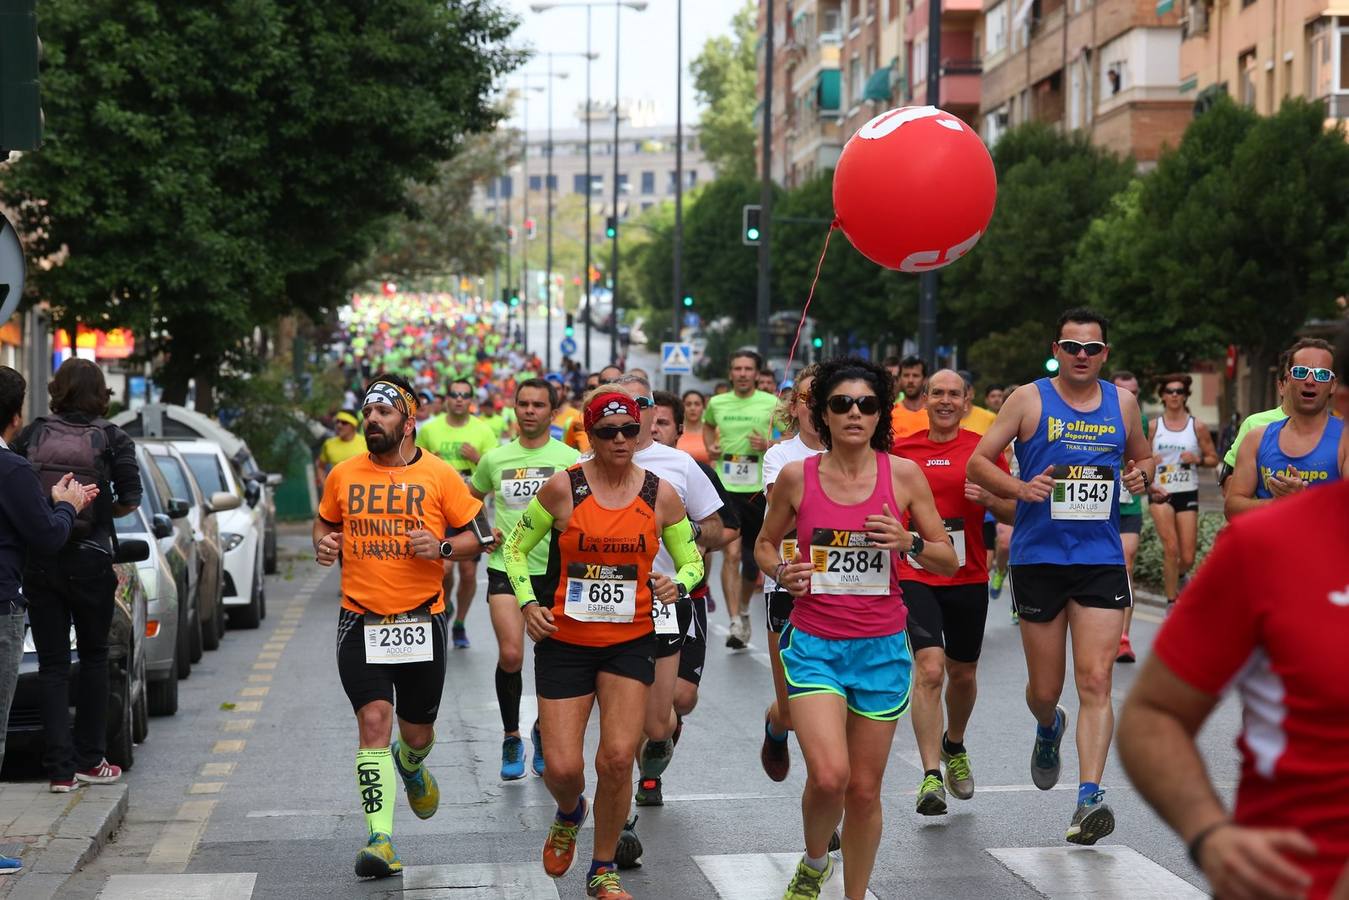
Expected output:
{"points": [[162, 646]]}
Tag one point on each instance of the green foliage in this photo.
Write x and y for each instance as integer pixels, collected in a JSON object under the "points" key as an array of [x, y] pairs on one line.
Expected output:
{"points": [[725, 79], [718, 269], [1148, 562], [272, 408]]}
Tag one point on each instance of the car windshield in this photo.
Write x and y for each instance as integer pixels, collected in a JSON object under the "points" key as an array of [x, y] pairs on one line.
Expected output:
{"points": [[206, 467], [173, 473]]}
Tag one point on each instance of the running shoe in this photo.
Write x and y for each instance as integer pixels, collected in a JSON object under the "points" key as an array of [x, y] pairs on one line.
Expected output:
{"points": [[1016, 617], [807, 882], [654, 757], [1126, 650], [460, 637], [628, 853], [774, 755], [1092, 821], [420, 785], [746, 631], [711, 602], [512, 758], [648, 792], [995, 584], [735, 638], [1044, 756], [103, 773], [604, 885], [378, 859], [536, 738], [959, 778], [9, 864], [835, 842], [931, 797], [559, 850]]}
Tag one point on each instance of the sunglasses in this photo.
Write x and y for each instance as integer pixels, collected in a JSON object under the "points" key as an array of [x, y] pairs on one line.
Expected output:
{"points": [[644, 402], [1072, 348], [609, 432], [460, 395], [867, 405], [1322, 376], [1176, 392]]}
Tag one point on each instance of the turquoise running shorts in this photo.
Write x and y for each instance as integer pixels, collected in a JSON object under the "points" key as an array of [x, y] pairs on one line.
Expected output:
{"points": [[872, 674]]}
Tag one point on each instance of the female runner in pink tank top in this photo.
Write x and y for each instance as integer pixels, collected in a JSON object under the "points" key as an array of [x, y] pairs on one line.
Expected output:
{"points": [[845, 653]]}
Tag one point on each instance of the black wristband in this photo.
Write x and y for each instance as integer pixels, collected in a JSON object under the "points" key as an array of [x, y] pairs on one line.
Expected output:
{"points": [[1197, 842]]}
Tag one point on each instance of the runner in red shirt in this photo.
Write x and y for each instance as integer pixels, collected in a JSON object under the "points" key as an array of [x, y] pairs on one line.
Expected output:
{"points": [[1267, 614], [947, 613]]}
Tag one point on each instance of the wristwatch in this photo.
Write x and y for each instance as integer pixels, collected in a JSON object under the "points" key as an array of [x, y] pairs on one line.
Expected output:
{"points": [[446, 550], [917, 547]]}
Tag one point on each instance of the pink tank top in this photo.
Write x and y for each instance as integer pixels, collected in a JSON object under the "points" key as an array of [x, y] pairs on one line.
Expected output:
{"points": [[854, 590]]}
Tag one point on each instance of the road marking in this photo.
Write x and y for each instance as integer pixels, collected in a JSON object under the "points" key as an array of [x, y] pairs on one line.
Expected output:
{"points": [[218, 770], [248, 706], [237, 725], [264, 665], [269, 654], [178, 841], [762, 876], [291, 814], [1098, 873], [274, 648], [284, 633], [223, 886], [480, 881], [723, 631], [228, 747], [254, 691], [259, 679], [206, 787], [1147, 616]]}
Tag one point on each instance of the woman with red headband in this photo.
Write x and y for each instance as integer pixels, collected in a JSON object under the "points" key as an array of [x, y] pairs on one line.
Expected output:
{"points": [[593, 630]]}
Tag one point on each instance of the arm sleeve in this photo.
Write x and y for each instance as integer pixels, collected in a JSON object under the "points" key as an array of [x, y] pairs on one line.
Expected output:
{"points": [[532, 528], [126, 474], [45, 528], [678, 539]]}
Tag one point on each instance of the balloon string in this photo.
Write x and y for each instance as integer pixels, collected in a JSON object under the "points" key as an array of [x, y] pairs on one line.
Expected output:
{"points": [[811, 296]]}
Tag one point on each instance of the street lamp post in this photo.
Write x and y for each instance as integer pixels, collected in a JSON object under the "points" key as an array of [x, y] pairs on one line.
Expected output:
{"points": [[524, 214], [678, 266]]}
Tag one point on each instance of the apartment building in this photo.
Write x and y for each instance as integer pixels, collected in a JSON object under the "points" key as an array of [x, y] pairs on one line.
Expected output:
{"points": [[1262, 51], [959, 51], [1108, 67]]}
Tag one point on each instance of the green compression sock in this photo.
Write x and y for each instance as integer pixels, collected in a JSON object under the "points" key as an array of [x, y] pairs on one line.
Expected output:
{"points": [[375, 779], [410, 757]]}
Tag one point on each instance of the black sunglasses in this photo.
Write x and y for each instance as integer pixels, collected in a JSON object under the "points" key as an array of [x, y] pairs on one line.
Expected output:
{"points": [[460, 395], [867, 405], [1072, 348], [644, 402], [609, 432], [1176, 392]]}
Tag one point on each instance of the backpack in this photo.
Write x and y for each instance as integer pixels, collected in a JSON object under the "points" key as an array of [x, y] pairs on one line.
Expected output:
{"points": [[57, 446]]}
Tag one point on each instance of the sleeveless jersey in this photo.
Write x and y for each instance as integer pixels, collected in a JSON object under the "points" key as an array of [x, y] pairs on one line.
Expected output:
{"points": [[1174, 476], [1079, 523], [1320, 466], [854, 589], [601, 563]]}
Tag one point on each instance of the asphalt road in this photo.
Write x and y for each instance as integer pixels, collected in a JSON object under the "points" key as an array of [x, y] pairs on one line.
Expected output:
{"points": [[249, 790]]}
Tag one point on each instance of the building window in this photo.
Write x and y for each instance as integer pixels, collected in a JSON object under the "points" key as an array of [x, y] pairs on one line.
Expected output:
{"points": [[856, 85], [691, 179], [552, 182], [492, 189], [623, 182], [995, 33], [1344, 57], [536, 182], [507, 186], [578, 183], [648, 182], [1246, 68], [918, 63]]}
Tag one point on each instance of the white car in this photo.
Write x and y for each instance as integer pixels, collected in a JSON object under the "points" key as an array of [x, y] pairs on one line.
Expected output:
{"points": [[242, 531]]}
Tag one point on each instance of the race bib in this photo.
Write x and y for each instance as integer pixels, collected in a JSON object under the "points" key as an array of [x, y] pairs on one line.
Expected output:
{"points": [[1082, 492], [600, 593], [400, 638], [1177, 478], [741, 471], [845, 562], [664, 618], [955, 528], [519, 486]]}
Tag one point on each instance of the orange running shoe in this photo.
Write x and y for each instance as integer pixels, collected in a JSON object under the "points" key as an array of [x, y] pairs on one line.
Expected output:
{"points": [[604, 885], [559, 850]]}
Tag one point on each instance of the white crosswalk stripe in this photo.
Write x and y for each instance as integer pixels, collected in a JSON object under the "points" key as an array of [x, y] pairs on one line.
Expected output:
{"points": [[762, 876], [479, 881], [221, 886], [1100, 873]]}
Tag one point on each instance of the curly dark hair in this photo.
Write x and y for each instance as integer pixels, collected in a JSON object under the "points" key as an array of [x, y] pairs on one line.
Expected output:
{"points": [[78, 387], [836, 371]]}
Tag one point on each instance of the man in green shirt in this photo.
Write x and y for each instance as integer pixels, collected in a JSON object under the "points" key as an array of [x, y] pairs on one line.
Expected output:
{"points": [[737, 428], [460, 439], [512, 474]]}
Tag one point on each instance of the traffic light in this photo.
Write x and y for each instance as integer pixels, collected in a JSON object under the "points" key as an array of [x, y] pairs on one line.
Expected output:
{"points": [[610, 226], [20, 54], [688, 301], [529, 229], [1051, 365], [817, 343], [570, 328], [515, 299], [751, 224], [506, 296]]}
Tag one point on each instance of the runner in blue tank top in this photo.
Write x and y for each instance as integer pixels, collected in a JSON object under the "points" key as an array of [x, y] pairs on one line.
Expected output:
{"points": [[1078, 439], [1304, 450]]}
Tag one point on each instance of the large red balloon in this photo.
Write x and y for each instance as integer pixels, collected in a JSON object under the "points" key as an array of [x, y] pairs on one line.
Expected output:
{"points": [[914, 189]]}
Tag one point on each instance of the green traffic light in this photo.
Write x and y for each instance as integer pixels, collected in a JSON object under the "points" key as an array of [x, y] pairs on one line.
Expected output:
{"points": [[610, 232], [817, 343], [752, 234], [688, 301], [569, 331], [1051, 365], [515, 301]]}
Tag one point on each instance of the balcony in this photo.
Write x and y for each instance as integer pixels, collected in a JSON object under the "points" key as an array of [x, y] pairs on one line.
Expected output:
{"points": [[960, 82]]}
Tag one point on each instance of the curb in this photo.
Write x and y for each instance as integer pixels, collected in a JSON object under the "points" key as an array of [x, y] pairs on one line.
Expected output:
{"points": [[79, 836], [1148, 598]]}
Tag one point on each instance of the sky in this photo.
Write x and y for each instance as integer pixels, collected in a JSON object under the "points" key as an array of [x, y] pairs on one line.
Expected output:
{"points": [[646, 63]]}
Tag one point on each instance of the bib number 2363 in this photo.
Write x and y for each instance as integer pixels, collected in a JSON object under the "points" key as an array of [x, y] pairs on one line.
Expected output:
{"points": [[1082, 492], [845, 562], [400, 638], [600, 593]]}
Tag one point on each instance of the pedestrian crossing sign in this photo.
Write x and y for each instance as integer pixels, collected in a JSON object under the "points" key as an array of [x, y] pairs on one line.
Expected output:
{"points": [[676, 359]]}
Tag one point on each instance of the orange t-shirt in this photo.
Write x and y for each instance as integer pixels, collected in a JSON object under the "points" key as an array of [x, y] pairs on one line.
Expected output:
{"points": [[376, 506], [691, 442], [906, 423]]}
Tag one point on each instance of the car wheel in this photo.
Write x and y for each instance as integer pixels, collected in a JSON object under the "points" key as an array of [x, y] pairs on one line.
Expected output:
{"points": [[269, 551], [249, 616], [163, 696], [121, 746], [182, 646], [140, 715]]}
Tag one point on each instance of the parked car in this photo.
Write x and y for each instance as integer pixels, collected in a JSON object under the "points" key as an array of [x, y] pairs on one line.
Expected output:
{"points": [[205, 532], [128, 721], [166, 639], [242, 531], [174, 422], [180, 549]]}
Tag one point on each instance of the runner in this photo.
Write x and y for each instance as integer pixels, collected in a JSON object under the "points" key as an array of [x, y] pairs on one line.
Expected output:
{"points": [[387, 516], [1301, 451], [567, 426], [1255, 420], [1075, 435], [1130, 524], [1180, 444], [604, 520], [977, 419], [736, 429], [460, 439], [691, 435], [909, 414], [805, 442], [348, 442], [845, 653], [513, 474], [947, 613], [766, 381]]}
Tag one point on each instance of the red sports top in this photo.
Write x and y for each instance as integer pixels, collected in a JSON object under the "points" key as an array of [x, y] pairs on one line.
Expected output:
{"points": [[1268, 615]]}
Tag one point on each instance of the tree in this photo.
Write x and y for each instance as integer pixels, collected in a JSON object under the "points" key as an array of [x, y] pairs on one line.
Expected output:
{"points": [[719, 270], [725, 78]]}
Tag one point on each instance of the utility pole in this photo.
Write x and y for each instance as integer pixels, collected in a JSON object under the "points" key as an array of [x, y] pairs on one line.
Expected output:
{"points": [[548, 266], [930, 281], [678, 293], [590, 191], [766, 189], [613, 256]]}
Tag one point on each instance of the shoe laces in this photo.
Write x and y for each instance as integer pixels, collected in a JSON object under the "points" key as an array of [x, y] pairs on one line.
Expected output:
{"points": [[807, 878], [562, 835], [605, 880], [1094, 800], [958, 766], [513, 751], [930, 783]]}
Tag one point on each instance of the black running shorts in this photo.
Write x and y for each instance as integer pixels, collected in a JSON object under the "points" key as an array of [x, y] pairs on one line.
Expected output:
{"points": [[563, 671], [749, 509], [949, 616], [413, 688], [1041, 591], [498, 584], [1185, 501], [669, 644], [780, 605], [693, 651]]}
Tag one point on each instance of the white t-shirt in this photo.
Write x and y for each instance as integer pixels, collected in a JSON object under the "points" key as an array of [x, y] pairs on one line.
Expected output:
{"points": [[774, 461], [695, 490]]}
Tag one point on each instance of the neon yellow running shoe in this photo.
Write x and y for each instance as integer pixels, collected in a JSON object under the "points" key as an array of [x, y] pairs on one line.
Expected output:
{"points": [[378, 859], [422, 790], [807, 883]]}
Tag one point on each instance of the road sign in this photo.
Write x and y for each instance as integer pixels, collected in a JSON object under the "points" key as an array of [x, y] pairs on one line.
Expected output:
{"points": [[676, 359], [568, 346], [11, 270]]}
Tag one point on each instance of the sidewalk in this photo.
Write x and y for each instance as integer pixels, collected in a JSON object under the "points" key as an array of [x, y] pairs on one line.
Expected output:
{"points": [[54, 834]]}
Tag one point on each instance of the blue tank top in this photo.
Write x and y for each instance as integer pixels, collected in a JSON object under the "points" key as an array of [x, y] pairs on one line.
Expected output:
{"points": [[1320, 466], [1077, 441]]}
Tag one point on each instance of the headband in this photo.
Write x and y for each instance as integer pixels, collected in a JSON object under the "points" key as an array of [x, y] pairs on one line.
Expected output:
{"points": [[610, 403], [347, 417], [390, 394]]}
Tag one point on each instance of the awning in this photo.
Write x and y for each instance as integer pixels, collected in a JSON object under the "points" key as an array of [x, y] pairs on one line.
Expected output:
{"points": [[1165, 6], [829, 90], [878, 86]]}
